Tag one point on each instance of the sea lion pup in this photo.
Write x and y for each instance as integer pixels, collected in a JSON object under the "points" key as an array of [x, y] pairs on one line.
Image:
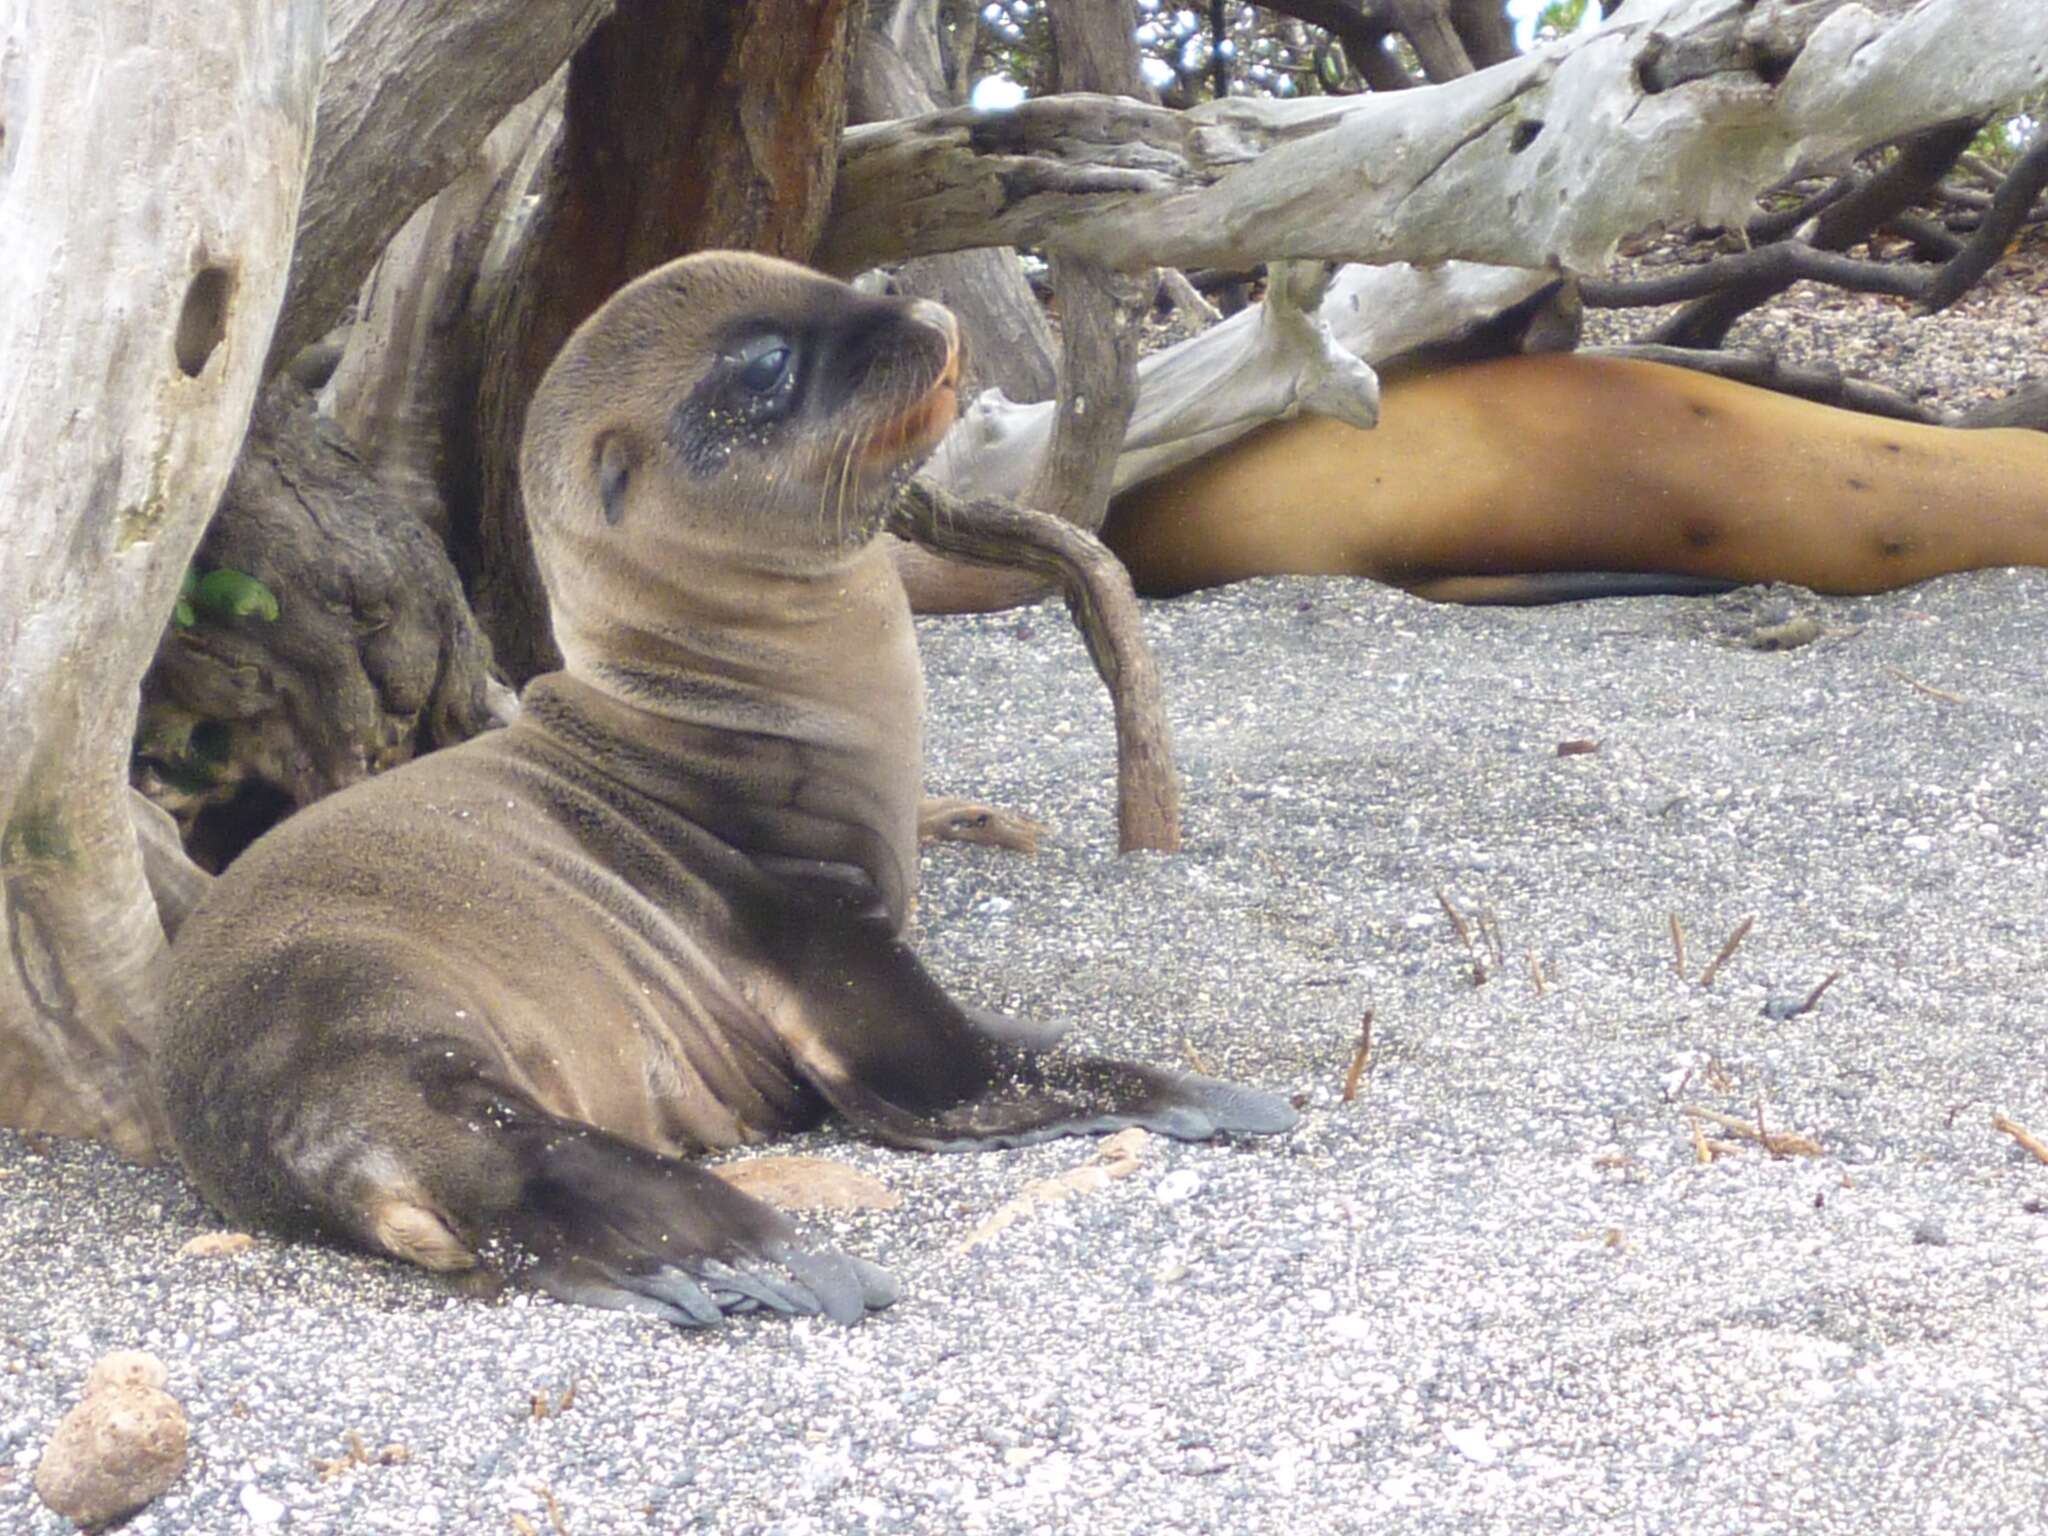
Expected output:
{"points": [[1558, 463], [478, 1009]]}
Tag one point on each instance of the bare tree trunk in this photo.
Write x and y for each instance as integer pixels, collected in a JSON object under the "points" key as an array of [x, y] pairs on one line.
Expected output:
{"points": [[1427, 26], [741, 153], [1483, 27], [460, 66], [1099, 310], [1099, 315], [132, 336], [1095, 51], [406, 388]]}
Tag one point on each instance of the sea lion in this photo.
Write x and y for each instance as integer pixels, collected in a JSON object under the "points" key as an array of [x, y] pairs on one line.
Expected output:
{"points": [[481, 1009], [1568, 464]]}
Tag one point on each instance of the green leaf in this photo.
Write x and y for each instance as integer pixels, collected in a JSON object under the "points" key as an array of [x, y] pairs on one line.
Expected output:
{"points": [[234, 595], [183, 616]]}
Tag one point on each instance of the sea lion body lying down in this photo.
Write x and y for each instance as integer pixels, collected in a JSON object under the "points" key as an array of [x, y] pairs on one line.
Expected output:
{"points": [[1509, 480], [481, 1008]]}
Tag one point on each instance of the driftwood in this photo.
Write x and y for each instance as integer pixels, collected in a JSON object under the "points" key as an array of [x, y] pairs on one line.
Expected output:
{"points": [[382, 152], [132, 332], [1098, 593], [1543, 161], [369, 656], [1306, 348]]}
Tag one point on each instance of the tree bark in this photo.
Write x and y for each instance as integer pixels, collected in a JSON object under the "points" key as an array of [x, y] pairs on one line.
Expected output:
{"points": [[1361, 30], [1483, 27], [132, 337], [405, 391], [1099, 310], [1543, 161], [369, 658], [1427, 26], [382, 152], [740, 154]]}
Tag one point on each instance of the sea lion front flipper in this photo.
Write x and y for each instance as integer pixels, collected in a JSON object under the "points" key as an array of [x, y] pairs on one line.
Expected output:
{"points": [[905, 1064], [601, 1222]]}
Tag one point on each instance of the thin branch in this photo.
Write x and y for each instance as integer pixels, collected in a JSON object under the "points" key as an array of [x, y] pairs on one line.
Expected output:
{"points": [[1922, 159], [2010, 206], [1728, 949], [1099, 595], [1778, 266]]}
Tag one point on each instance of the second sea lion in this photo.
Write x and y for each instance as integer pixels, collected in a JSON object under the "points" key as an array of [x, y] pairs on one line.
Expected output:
{"points": [[1479, 475]]}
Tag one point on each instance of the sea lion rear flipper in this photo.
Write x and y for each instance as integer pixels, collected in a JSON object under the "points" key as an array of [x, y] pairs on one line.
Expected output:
{"points": [[605, 1224], [905, 1064], [601, 1222]]}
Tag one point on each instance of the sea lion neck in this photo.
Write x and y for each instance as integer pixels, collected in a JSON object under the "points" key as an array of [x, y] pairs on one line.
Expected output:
{"points": [[784, 714]]}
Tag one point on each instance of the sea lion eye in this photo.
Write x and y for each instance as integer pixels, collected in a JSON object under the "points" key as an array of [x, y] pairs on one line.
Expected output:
{"points": [[764, 365]]}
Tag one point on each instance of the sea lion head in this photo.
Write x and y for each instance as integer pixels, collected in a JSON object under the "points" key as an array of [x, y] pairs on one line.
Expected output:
{"points": [[734, 410]]}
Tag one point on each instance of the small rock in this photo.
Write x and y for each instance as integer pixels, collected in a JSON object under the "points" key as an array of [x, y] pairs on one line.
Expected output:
{"points": [[1177, 1186], [795, 1183], [217, 1245], [1474, 1444], [126, 1368], [260, 1507], [117, 1449]]}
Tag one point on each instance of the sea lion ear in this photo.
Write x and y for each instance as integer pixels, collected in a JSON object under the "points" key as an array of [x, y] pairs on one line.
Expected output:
{"points": [[615, 464]]}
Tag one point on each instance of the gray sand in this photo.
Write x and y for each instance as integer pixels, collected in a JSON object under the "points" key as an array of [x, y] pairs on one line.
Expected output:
{"points": [[1498, 1292]]}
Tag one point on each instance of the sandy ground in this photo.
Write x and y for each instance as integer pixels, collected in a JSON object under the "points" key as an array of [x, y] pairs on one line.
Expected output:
{"points": [[1498, 1291]]}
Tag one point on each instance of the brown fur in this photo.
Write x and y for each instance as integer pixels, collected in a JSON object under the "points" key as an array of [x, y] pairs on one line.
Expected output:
{"points": [[479, 1008], [1568, 463]]}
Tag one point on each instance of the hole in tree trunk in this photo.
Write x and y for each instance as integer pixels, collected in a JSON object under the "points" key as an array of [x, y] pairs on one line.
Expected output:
{"points": [[203, 320]]}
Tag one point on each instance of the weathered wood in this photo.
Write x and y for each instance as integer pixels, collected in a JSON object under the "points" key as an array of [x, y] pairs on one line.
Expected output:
{"points": [[406, 388], [1098, 593], [1306, 348], [370, 658], [1542, 161], [133, 329], [1099, 309], [412, 88]]}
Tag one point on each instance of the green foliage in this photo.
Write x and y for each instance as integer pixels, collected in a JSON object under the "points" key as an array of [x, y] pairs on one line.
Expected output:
{"points": [[223, 594], [1268, 54], [2006, 137], [1561, 17]]}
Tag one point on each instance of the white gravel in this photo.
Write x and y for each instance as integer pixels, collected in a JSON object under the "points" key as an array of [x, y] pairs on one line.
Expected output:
{"points": [[1497, 1293]]}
